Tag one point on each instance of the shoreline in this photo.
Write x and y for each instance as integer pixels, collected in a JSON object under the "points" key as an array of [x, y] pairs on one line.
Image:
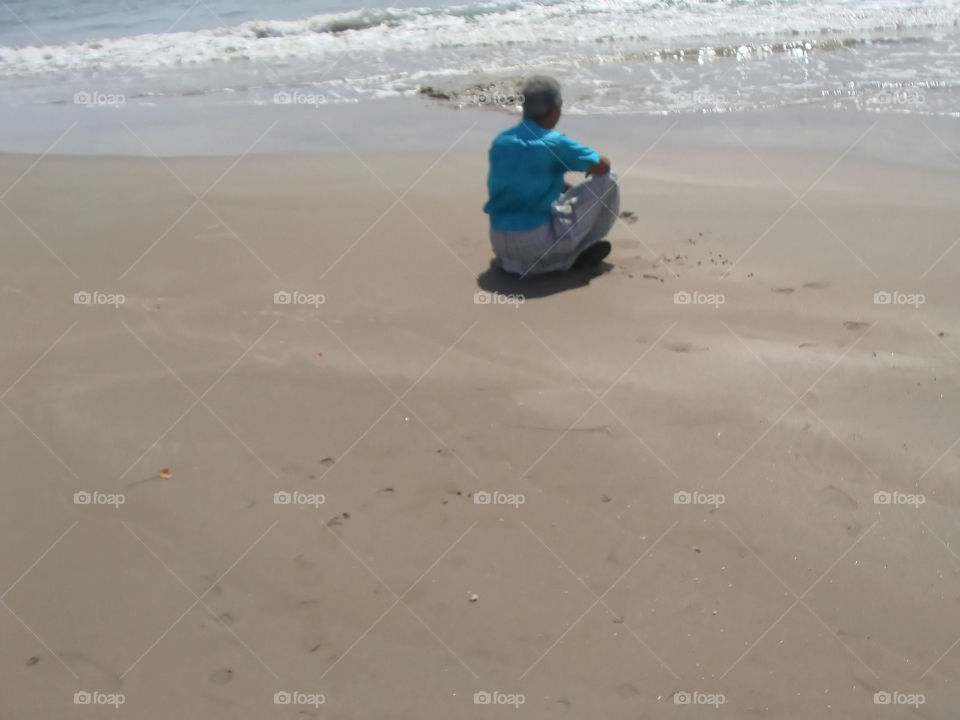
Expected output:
{"points": [[421, 125]]}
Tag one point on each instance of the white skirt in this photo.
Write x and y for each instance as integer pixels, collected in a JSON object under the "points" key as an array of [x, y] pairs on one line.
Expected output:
{"points": [[582, 216]]}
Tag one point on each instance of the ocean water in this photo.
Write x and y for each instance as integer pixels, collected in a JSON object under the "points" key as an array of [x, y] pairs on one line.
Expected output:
{"points": [[651, 57]]}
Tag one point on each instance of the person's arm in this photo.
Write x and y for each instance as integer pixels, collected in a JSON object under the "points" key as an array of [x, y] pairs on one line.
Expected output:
{"points": [[577, 158], [601, 167], [573, 156]]}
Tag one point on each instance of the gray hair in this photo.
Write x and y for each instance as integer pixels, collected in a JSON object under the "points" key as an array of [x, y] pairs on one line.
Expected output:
{"points": [[541, 95]]}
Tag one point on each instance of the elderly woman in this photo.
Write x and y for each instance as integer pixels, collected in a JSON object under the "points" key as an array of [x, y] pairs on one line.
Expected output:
{"points": [[538, 223]]}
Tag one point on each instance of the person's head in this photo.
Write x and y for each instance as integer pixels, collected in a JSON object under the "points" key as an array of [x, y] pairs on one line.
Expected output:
{"points": [[542, 101]]}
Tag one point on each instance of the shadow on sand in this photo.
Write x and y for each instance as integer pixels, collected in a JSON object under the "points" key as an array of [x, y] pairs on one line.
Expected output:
{"points": [[495, 280]]}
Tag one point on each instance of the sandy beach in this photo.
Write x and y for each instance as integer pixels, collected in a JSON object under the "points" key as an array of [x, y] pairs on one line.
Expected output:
{"points": [[721, 473]]}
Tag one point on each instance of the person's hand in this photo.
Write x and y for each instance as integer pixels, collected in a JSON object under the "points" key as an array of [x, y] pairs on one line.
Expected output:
{"points": [[600, 168]]}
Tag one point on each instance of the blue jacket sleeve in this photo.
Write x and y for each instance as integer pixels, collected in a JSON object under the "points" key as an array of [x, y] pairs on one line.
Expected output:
{"points": [[571, 154]]}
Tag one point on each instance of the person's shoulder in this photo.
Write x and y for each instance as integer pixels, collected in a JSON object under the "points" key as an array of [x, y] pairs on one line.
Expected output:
{"points": [[515, 129], [557, 135], [554, 137], [507, 135]]}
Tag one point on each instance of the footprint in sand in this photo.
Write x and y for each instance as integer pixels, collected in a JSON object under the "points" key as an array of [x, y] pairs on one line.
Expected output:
{"points": [[817, 285], [782, 290], [301, 564], [683, 347], [854, 528], [831, 495], [338, 519], [855, 325], [222, 677]]}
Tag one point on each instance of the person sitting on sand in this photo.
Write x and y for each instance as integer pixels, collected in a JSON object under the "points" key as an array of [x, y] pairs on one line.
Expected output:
{"points": [[538, 223]]}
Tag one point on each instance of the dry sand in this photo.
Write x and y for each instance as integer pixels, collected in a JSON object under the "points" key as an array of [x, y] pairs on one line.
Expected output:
{"points": [[400, 398]]}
